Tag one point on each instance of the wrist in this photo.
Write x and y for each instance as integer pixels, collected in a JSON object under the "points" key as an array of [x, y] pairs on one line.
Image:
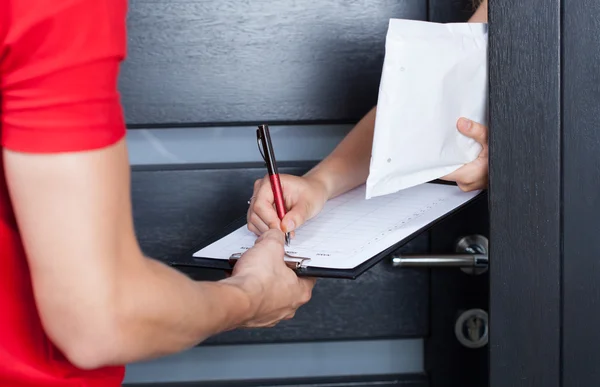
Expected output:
{"points": [[322, 180], [249, 292]]}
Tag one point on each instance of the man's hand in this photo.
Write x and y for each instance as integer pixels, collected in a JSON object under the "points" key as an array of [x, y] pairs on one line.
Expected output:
{"points": [[473, 175], [274, 290]]}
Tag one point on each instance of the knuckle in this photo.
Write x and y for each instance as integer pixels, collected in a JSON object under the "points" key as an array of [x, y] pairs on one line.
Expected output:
{"points": [[305, 296], [290, 316], [260, 206], [468, 180], [254, 229], [254, 218], [308, 207], [463, 187], [273, 225]]}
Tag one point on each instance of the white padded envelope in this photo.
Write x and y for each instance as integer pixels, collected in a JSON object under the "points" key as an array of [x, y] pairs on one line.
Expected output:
{"points": [[433, 74]]}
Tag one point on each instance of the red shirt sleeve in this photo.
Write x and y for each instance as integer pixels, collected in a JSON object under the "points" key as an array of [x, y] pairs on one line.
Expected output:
{"points": [[59, 63]]}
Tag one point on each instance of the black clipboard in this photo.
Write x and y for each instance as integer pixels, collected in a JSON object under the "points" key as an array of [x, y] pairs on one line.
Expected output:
{"points": [[187, 260]]}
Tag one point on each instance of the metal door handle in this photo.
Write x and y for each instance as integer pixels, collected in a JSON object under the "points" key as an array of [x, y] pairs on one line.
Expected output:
{"points": [[471, 257]]}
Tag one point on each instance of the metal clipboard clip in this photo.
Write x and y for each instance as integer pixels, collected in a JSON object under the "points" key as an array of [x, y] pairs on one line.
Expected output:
{"points": [[293, 262]]}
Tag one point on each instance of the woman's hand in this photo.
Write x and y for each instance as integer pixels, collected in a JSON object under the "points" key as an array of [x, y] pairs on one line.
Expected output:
{"points": [[304, 198], [473, 175]]}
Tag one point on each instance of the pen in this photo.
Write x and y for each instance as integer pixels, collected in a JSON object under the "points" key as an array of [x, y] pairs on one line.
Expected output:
{"points": [[263, 136]]}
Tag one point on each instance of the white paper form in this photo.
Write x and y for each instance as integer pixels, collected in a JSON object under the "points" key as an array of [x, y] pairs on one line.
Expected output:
{"points": [[350, 230]]}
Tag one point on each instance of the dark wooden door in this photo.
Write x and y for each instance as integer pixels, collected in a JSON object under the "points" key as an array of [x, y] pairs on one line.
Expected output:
{"points": [[544, 201], [208, 70]]}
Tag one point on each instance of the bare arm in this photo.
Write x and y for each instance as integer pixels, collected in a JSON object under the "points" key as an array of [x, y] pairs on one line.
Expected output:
{"points": [[100, 300], [481, 14], [348, 165]]}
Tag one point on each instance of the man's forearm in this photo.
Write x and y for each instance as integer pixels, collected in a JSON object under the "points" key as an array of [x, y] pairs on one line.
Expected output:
{"points": [[154, 311], [161, 311], [348, 165], [99, 299]]}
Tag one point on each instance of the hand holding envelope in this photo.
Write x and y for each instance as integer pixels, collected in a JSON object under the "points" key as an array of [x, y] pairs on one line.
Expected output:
{"points": [[433, 74], [474, 175]]}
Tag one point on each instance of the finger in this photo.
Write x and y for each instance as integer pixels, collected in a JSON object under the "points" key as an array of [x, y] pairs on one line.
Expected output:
{"points": [[479, 183], [473, 177], [472, 187], [474, 130], [257, 184], [263, 207], [290, 316], [467, 174], [260, 324], [251, 226], [258, 223], [297, 216], [311, 281], [307, 285], [254, 229]]}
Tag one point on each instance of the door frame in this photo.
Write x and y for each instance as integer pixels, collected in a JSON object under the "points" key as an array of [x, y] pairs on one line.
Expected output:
{"points": [[544, 193]]}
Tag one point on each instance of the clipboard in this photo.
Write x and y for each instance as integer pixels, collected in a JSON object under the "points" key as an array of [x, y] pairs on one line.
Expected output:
{"points": [[188, 261]]}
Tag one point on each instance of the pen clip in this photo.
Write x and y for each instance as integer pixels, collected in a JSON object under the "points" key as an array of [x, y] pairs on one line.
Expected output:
{"points": [[266, 150], [259, 138]]}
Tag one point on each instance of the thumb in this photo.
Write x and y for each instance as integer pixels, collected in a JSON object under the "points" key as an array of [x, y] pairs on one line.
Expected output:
{"points": [[296, 216], [473, 130]]}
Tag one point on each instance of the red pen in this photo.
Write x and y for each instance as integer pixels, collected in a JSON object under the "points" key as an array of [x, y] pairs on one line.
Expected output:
{"points": [[264, 137]]}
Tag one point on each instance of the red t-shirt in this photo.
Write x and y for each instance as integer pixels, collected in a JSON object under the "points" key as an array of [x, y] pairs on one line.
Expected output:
{"points": [[59, 62]]}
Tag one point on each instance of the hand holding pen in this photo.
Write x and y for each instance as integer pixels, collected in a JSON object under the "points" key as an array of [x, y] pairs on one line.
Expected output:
{"points": [[263, 137], [305, 197]]}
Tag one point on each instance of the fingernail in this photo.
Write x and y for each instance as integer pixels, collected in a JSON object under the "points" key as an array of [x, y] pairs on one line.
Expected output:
{"points": [[289, 225], [465, 124]]}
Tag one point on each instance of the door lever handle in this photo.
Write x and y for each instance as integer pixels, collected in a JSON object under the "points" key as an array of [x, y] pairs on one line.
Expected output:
{"points": [[471, 257]]}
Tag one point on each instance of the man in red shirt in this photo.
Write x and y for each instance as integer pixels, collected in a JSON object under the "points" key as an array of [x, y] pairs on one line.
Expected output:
{"points": [[77, 297]]}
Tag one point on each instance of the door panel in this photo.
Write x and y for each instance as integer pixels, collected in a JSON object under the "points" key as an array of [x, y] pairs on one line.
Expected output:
{"points": [[525, 193], [216, 61], [581, 187]]}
